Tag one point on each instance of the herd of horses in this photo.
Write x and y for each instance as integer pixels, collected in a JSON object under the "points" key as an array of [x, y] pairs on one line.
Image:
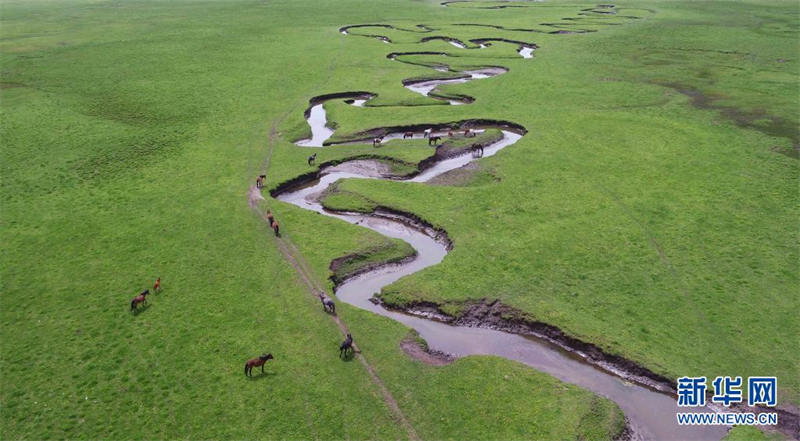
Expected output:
{"points": [[328, 305], [427, 133]]}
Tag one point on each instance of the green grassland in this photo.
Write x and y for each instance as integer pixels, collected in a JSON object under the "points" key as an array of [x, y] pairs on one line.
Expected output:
{"points": [[131, 132]]}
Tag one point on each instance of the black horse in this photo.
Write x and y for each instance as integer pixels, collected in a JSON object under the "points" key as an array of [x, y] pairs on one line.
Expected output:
{"points": [[327, 303], [260, 361], [434, 139], [347, 345], [312, 158]]}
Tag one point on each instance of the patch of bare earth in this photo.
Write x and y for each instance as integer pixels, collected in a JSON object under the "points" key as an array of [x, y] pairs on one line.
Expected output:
{"points": [[414, 349]]}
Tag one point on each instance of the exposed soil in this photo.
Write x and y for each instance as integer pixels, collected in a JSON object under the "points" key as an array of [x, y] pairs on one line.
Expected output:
{"points": [[355, 95], [416, 350], [336, 264], [756, 119], [458, 177]]}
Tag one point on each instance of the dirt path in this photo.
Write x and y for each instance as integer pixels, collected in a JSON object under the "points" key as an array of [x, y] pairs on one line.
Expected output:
{"points": [[293, 256]]}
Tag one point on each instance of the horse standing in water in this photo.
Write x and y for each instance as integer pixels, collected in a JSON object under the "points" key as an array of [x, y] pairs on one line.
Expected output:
{"points": [[408, 135], [327, 303], [347, 345], [140, 299], [256, 362], [275, 228], [312, 158], [426, 133], [434, 139]]}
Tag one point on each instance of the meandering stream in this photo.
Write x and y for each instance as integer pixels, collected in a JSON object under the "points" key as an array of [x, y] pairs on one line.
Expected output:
{"points": [[650, 413]]}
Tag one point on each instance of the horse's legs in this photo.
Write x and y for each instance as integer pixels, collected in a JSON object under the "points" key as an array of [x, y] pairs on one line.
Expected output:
{"points": [[262, 367]]}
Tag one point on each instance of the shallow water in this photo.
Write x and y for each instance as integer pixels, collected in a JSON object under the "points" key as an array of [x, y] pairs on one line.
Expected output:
{"points": [[319, 132], [426, 87], [526, 52], [651, 414]]}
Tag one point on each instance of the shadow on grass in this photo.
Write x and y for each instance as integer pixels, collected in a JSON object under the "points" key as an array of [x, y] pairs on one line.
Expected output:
{"points": [[140, 309], [262, 375]]}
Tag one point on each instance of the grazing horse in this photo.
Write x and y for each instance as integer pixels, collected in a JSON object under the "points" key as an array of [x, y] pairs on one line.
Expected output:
{"points": [[260, 181], [260, 361], [347, 345], [408, 135], [433, 140], [449, 133], [377, 141], [426, 133], [467, 132], [327, 303], [157, 285], [141, 298], [312, 158], [275, 228]]}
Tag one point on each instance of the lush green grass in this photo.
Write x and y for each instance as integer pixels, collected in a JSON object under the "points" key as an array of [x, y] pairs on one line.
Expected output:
{"points": [[749, 433], [131, 132]]}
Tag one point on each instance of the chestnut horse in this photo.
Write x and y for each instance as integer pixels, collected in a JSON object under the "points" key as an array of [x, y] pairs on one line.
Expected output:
{"points": [[260, 361], [141, 298]]}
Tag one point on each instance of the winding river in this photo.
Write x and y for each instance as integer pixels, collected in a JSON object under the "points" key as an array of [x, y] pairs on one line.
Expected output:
{"points": [[650, 412]]}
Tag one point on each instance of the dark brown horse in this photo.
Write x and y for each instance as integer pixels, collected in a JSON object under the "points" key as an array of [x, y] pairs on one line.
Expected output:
{"points": [[276, 228], [347, 345], [256, 362], [408, 135], [140, 299], [312, 158], [260, 181], [434, 139]]}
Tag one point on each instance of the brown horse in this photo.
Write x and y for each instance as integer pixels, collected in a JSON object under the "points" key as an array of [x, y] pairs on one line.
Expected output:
{"points": [[347, 345], [157, 285], [270, 218], [276, 228], [141, 298], [408, 135], [256, 362], [260, 181], [433, 140]]}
